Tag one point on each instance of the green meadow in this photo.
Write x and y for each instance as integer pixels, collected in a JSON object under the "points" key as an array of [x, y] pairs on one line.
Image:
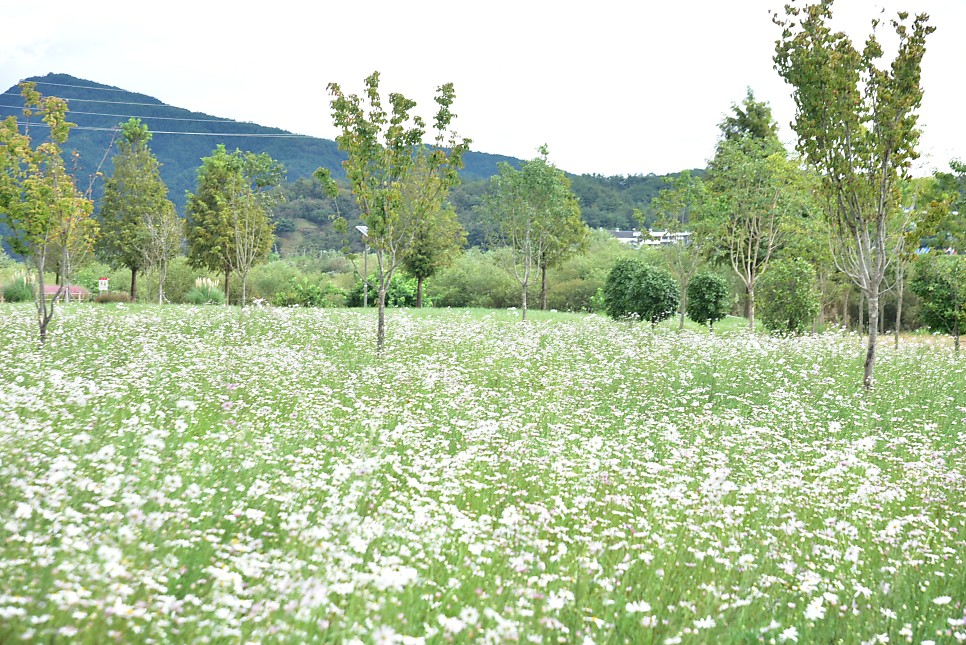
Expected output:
{"points": [[204, 475]]}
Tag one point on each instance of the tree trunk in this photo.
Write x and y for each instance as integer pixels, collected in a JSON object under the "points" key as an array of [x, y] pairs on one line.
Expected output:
{"points": [[524, 301], [134, 282], [381, 322], [684, 306], [899, 286], [868, 379], [244, 278], [419, 292], [543, 287], [861, 312], [227, 275], [846, 316], [751, 309]]}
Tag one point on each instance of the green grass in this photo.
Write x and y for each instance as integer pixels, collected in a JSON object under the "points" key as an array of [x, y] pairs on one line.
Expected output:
{"points": [[201, 474]]}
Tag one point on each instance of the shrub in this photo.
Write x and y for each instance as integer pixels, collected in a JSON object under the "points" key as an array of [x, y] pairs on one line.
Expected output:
{"points": [[636, 289], [302, 292], [786, 298], [475, 279], [18, 291], [112, 296], [709, 299], [401, 293], [940, 283]]}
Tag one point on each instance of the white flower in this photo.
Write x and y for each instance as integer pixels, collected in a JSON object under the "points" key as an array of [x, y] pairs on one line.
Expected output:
{"points": [[815, 609], [704, 623], [790, 634], [942, 600], [637, 607]]}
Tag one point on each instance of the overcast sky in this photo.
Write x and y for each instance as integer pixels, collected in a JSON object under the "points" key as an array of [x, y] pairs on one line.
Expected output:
{"points": [[612, 87]]}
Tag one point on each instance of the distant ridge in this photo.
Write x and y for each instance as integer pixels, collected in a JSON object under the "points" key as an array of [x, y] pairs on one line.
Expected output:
{"points": [[182, 137]]}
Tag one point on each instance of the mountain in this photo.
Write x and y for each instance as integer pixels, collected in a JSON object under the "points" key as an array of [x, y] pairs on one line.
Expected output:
{"points": [[182, 137]]}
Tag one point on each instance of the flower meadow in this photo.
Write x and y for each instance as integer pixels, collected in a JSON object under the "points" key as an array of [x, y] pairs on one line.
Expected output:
{"points": [[196, 474]]}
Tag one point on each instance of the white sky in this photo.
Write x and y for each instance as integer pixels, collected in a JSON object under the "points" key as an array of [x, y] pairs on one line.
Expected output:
{"points": [[613, 87]]}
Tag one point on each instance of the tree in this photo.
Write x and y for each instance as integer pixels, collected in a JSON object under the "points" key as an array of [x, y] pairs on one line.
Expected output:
{"points": [[940, 283], [134, 197], [438, 237], [675, 207], [709, 299], [755, 190], [164, 235], [789, 297], [39, 200], [856, 125], [381, 150], [534, 213], [566, 233], [636, 289], [751, 119], [228, 224]]}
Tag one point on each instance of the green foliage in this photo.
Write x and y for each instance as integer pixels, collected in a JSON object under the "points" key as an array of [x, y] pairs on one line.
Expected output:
{"points": [[709, 299], [401, 292], [205, 294], [789, 298], [751, 119], [228, 223], [303, 292], [134, 199], [635, 289], [18, 291], [475, 279], [940, 282]]}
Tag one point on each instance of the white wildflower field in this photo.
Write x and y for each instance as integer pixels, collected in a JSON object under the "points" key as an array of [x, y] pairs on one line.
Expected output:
{"points": [[193, 474]]}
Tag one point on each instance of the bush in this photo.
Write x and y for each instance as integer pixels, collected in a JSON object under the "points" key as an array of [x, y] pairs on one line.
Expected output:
{"points": [[787, 298], [18, 291], [709, 299], [302, 292], [401, 293], [940, 283], [476, 279], [636, 289], [112, 296]]}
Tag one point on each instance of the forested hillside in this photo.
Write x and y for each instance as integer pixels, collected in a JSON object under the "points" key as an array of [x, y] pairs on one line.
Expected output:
{"points": [[182, 137]]}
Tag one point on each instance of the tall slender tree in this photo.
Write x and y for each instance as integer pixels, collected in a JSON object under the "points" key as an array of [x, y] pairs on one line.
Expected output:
{"points": [[39, 200], [134, 197], [533, 212], [856, 125], [228, 221], [382, 148]]}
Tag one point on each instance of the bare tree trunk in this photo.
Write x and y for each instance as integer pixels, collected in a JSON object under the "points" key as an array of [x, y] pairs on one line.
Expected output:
{"points": [[134, 282], [227, 275], [543, 287], [899, 286], [861, 312], [846, 315], [419, 292], [244, 278], [524, 301], [873, 337], [381, 323], [684, 306], [751, 309]]}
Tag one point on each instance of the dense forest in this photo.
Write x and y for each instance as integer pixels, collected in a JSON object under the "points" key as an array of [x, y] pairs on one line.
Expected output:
{"points": [[181, 138]]}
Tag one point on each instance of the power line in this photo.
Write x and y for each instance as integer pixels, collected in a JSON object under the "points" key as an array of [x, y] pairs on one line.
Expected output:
{"points": [[199, 134], [137, 116]]}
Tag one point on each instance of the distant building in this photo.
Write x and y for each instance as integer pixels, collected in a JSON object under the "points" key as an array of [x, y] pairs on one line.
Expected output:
{"points": [[637, 239]]}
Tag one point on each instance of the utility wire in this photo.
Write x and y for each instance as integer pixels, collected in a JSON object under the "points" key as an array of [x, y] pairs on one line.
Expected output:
{"points": [[201, 134], [137, 116]]}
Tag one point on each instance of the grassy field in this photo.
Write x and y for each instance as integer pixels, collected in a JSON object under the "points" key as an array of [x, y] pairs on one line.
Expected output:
{"points": [[183, 474]]}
